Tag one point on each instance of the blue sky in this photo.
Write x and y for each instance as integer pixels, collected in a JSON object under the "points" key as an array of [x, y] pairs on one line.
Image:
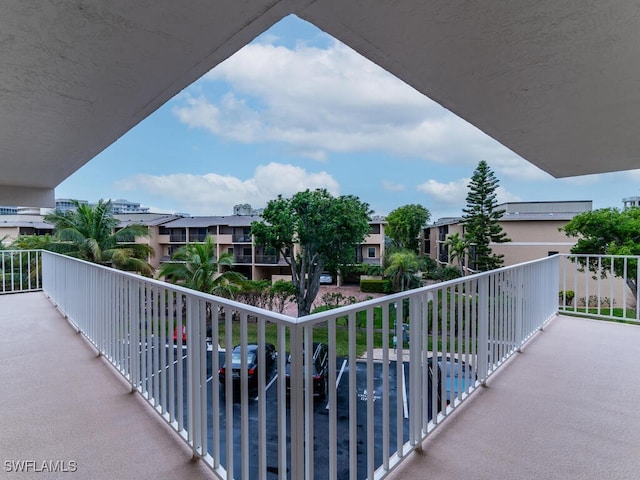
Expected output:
{"points": [[296, 109]]}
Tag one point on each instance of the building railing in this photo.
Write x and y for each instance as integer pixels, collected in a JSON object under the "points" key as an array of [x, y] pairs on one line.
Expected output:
{"points": [[178, 237], [600, 286], [241, 238], [242, 259], [382, 397], [20, 271], [197, 237], [268, 259]]}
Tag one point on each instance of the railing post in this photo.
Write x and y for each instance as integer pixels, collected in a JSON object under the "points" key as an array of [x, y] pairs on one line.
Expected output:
{"points": [[134, 333], [416, 375], [483, 329], [296, 397], [194, 351], [520, 290], [637, 288]]}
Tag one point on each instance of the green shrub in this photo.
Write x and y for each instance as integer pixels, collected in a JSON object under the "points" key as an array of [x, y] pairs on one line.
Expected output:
{"points": [[323, 308], [594, 301], [567, 295], [374, 286], [451, 272]]}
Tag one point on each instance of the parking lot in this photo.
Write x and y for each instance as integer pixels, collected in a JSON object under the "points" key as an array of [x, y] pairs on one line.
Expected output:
{"points": [[320, 419]]}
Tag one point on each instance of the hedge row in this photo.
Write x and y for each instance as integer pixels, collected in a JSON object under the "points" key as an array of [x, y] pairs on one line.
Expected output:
{"points": [[375, 286]]}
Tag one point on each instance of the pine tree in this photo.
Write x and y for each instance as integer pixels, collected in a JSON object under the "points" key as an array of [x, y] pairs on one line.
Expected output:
{"points": [[481, 219]]}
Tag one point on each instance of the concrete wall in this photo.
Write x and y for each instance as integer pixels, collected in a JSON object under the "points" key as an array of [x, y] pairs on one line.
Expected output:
{"points": [[532, 239]]}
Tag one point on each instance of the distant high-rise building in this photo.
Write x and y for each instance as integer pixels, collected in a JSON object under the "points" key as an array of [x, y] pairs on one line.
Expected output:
{"points": [[8, 210], [631, 202], [66, 204], [121, 206], [118, 206], [245, 209]]}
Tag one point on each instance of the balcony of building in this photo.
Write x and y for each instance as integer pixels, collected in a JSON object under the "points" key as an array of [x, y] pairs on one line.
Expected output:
{"points": [[241, 237], [551, 397]]}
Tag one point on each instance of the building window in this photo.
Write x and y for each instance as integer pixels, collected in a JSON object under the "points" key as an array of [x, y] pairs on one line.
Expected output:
{"points": [[197, 234], [371, 252], [230, 250]]}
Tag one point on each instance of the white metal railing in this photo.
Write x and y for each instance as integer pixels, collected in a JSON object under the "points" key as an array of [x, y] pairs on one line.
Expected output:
{"points": [[20, 271], [601, 286], [377, 409]]}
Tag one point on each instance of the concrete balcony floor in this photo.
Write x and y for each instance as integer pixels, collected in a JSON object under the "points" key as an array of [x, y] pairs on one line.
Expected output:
{"points": [[566, 408], [60, 402]]}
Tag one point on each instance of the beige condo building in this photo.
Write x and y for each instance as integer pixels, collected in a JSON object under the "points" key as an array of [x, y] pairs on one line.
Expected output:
{"points": [[533, 227]]}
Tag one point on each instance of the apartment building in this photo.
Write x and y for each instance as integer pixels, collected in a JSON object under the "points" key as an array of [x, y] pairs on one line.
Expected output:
{"points": [[153, 222], [12, 226], [533, 227], [232, 234]]}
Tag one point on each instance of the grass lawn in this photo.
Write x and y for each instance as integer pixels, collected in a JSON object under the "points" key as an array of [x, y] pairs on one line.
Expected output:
{"points": [[616, 312], [320, 334]]}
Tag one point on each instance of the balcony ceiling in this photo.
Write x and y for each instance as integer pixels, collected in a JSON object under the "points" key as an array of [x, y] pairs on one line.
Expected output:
{"points": [[557, 81]]}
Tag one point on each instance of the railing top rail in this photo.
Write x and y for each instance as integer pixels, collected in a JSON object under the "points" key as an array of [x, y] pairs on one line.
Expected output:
{"points": [[309, 319], [345, 310], [242, 307], [9, 250], [596, 255]]}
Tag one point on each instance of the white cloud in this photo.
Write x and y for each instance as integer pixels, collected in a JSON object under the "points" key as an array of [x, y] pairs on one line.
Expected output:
{"points": [[451, 193], [517, 168], [392, 186], [323, 100], [504, 196], [214, 194], [582, 180], [635, 174], [455, 192]]}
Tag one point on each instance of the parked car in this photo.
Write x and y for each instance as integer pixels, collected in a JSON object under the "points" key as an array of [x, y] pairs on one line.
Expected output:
{"points": [[176, 334], [177, 329], [319, 370], [326, 279], [253, 363], [456, 375]]}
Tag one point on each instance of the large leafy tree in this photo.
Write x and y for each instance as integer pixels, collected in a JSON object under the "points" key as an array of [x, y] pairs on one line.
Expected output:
{"points": [[196, 266], [91, 233], [404, 225], [313, 231], [481, 219], [608, 231]]}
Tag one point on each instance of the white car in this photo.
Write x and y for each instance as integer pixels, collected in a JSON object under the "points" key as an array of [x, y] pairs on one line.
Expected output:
{"points": [[325, 278]]}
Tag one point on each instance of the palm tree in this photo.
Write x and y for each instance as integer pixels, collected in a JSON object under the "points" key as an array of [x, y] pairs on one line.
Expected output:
{"points": [[90, 233], [195, 266], [458, 248], [402, 268], [33, 242]]}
